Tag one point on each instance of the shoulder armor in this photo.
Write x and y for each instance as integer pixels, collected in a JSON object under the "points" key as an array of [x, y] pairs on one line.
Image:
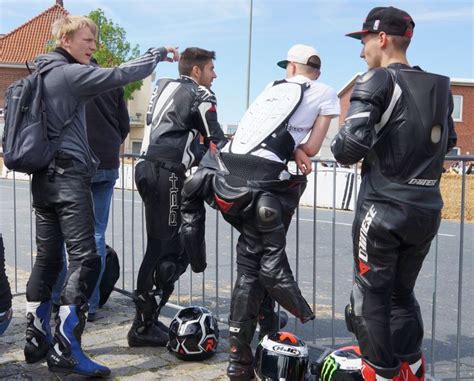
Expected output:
{"points": [[164, 80], [374, 86]]}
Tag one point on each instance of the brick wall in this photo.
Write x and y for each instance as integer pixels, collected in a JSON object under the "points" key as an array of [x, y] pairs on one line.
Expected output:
{"points": [[7, 76], [465, 128], [344, 100]]}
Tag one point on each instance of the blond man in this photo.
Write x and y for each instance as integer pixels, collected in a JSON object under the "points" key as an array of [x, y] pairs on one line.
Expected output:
{"points": [[62, 194]]}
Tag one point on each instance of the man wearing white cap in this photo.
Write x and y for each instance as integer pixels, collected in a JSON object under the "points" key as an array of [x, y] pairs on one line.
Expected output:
{"points": [[249, 182]]}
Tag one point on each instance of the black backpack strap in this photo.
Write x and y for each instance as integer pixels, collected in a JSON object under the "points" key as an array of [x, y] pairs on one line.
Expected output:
{"points": [[52, 164]]}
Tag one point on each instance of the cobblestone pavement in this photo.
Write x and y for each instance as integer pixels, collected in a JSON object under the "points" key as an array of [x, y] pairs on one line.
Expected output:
{"points": [[105, 340]]}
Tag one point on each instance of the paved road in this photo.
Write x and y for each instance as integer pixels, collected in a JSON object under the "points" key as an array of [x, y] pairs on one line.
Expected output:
{"points": [[316, 251]]}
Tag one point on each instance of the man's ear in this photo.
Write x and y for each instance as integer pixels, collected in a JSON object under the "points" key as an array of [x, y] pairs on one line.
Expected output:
{"points": [[65, 41], [196, 71], [382, 39], [291, 67], [318, 73]]}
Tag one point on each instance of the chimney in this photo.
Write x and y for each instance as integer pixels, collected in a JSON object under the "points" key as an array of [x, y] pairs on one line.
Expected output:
{"points": [[60, 2]]}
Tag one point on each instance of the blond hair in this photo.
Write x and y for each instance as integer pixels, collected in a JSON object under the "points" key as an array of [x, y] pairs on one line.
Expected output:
{"points": [[69, 25]]}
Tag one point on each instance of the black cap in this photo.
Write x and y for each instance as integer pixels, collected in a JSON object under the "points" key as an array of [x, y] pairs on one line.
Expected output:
{"points": [[390, 20]]}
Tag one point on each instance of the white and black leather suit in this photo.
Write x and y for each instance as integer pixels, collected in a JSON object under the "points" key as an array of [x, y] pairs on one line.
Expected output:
{"points": [[259, 202], [400, 123], [178, 112]]}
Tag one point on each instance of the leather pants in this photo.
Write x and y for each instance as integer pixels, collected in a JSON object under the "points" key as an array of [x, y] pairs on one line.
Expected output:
{"points": [[64, 214]]}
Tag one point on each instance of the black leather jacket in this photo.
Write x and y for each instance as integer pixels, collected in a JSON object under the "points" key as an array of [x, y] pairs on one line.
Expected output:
{"points": [[180, 110], [400, 123]]}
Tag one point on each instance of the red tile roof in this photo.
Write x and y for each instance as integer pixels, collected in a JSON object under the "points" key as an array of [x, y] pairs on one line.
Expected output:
{"points": [[30, 39]]}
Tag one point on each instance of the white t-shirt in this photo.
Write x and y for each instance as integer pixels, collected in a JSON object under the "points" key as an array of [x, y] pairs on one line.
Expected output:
{"points": [[318, 99]]}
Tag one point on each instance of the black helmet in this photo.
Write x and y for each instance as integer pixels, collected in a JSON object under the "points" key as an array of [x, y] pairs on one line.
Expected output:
{"points": [[343, 364], [193, 334], [281, 356]]}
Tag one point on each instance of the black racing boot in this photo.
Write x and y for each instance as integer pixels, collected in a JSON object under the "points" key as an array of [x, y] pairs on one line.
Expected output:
{"points": [[157, 322], [144, 332], [66, 355], [412, 367], [241, 358], [371, 372], [38, 331]]}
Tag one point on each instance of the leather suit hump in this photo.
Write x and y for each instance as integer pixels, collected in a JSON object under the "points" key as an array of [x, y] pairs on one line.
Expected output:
{"points": [[413, 142], [399, 122], [179, 110]]}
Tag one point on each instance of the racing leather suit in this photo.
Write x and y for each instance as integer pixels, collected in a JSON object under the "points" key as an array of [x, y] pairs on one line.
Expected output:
{"points": [[249, 183], [179, 110], [251, 196], [400, 123], [258, 197]]}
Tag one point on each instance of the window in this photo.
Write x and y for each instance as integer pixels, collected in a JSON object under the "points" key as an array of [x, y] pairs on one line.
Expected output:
{"points": [[455, 151], [457, 111], [136, 147]]}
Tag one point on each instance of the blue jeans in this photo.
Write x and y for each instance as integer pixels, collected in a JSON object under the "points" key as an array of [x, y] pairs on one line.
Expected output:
{"points": [[102, 188]]}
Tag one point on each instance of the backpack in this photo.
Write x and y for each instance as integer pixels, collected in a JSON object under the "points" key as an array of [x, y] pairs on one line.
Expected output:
{"points": [[26, 146], [110, 276]]}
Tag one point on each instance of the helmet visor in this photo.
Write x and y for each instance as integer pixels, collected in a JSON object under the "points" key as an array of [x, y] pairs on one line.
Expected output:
{"points": [[274, 366]]}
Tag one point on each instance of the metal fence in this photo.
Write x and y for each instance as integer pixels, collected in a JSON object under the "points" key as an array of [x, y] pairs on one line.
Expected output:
{"points": [[319, 248]]}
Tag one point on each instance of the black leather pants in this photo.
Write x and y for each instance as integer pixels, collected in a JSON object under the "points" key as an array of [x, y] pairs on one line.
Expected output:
{"points": [[64, 214], [390, 241], [159, 185], [262, 264], [261, 210]]}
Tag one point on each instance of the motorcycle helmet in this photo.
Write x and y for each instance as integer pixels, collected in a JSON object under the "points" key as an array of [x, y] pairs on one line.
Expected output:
{"points": [[281, 356], [343, 364], [193, 334]]}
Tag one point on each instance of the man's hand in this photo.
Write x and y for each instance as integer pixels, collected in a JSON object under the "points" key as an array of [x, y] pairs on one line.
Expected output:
{"points": [[303, 162], [163, 52], [174, 51]]}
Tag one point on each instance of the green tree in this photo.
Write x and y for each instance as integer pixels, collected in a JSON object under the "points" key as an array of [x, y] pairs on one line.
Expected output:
{"points": [[112, 47]]}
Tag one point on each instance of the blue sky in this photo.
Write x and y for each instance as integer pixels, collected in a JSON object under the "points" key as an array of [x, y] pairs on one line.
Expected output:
{"points": [[443, 39]]}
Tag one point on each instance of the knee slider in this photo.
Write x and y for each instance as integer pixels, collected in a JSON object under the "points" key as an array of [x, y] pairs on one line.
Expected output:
{"points": [[268, 214], [165, 274], [196, 184]]}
